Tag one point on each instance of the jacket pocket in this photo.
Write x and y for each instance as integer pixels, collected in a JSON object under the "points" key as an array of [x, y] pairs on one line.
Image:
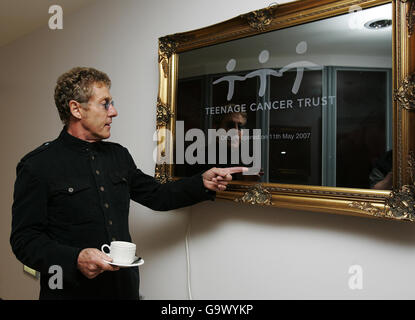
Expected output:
{"points": [[69, 188], [70, 201], [121, 189]]}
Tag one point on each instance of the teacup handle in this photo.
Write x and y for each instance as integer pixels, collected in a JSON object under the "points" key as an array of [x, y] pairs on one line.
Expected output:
{"points": [[106, 246]]}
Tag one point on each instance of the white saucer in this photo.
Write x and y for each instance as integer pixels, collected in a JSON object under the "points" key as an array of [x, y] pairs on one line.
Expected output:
{"points": [[124, 265]]}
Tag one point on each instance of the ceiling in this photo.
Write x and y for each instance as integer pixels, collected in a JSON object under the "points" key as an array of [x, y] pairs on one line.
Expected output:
{"points": [[21, 17], [343, 35]]}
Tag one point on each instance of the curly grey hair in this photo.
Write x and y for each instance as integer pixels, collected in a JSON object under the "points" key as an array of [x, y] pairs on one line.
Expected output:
{"points": [[77, 84]]}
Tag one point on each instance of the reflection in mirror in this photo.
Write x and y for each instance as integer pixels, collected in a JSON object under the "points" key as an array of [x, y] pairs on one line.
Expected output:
{"points": [[309, 104]]}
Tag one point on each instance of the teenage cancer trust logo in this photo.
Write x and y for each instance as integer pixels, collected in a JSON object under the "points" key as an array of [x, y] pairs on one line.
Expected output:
{"points": [[263, 74]]}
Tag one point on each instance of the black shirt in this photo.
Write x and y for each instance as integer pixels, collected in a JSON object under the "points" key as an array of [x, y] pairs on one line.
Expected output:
{"points": [[71, 194]]}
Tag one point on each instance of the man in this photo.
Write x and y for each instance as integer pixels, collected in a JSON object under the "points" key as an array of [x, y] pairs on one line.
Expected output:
{"points": [[72, 195], [236, 121], [381, 177]]}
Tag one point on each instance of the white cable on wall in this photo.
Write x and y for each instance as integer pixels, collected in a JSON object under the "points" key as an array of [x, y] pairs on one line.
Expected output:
{"points": [[189, 285]]}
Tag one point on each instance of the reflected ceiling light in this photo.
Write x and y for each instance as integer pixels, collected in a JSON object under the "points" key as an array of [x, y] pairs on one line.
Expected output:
{"points": [[378, 24], [360, 19]]}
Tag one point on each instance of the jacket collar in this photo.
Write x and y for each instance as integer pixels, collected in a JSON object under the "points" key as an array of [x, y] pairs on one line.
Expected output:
{"points": [[76, 143]]}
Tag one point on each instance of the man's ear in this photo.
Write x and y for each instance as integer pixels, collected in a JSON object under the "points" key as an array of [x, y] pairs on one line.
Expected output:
{"points": [[76, 109]]}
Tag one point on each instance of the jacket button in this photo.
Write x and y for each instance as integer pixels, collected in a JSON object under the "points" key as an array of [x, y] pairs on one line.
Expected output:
{"points": [[102, 188], [97, 172], [93, 157], [110, 222], [70, 190], [106, 205]]}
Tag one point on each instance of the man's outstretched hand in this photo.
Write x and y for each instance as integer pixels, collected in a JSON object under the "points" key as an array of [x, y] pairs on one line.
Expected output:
{"points": [[216, 179]]}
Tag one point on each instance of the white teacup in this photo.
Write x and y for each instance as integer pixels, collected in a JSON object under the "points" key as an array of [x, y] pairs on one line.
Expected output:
{"points": [[121, 251]]}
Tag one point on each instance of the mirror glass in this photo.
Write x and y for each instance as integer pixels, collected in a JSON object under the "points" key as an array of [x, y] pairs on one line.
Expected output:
{"points": [[309, 104]]}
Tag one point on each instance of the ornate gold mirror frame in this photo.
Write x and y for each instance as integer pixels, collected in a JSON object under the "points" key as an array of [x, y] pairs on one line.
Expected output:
{"points": [[397, 204]]}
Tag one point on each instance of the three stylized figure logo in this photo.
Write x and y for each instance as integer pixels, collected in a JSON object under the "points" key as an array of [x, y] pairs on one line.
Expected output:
{"points": [[263, 57]]}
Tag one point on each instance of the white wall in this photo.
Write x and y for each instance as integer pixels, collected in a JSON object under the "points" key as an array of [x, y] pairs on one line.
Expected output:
{"points": [[236, 251]]}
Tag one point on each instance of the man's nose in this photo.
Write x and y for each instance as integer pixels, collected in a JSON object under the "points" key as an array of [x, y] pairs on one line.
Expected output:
{"points": [[112, 112]]}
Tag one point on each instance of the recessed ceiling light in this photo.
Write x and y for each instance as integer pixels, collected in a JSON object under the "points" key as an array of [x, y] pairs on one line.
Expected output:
{"points": [[378, 24]]}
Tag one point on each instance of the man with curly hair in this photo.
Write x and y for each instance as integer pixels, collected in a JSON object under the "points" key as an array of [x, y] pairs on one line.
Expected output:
{"points": [[72, 195]]}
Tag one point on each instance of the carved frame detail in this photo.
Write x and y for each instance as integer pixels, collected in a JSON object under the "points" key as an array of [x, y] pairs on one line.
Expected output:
{"points": [[164, 114], [258, 195], [260, 19], [162, 174], [405, 94]]}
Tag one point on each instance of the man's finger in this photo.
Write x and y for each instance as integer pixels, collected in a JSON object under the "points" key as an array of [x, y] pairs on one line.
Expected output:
{"points": [[222, 183], [224, 172], [105, 266], [103, 256], [214, 186], [221, 180], [236, 170], [112, 268]]}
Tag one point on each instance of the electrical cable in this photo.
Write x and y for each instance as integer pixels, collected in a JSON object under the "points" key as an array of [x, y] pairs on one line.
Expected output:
{"points": [[189, 284]]}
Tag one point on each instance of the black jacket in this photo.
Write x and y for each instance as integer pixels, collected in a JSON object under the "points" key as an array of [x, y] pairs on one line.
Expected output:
{"points": [[71, 194]]}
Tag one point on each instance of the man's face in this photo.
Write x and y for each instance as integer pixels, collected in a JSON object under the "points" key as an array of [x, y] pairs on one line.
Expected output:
{"points": [[234, 121], [96, 120]]}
